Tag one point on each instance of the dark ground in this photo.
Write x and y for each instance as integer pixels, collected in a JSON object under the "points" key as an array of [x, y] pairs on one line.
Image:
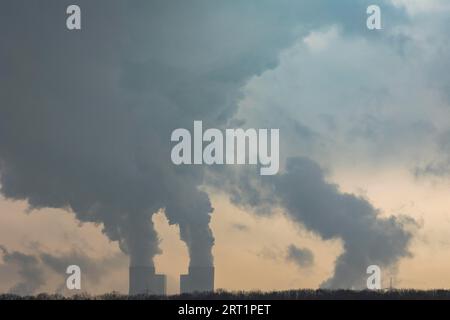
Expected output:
{"points": [[276, 295]]}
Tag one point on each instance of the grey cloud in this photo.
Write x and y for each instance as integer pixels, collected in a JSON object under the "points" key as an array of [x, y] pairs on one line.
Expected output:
{"points": [[32, 269], [320, 206], [27, 266], [86, 117], [94, 270], [439, 168], [349, 108], [309, 200], [302, 257], [439, 164]]}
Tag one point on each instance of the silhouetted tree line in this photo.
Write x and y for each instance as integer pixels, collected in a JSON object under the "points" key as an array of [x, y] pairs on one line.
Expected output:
{"points": [[255, 295]]}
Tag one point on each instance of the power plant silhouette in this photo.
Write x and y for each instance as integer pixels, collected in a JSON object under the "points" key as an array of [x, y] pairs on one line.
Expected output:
{"points": [[144, 280]]}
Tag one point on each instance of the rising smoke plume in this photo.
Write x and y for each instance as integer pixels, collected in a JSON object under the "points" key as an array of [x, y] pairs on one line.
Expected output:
{"points": [[86, 116], [303, 193]]}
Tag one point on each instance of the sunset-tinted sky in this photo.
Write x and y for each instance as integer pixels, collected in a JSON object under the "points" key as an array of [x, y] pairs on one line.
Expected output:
{"points": [[364, 119]]}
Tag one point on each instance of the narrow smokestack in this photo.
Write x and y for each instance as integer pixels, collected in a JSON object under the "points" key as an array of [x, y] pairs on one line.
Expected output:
{"points": [[143, 280], [199, 279]]}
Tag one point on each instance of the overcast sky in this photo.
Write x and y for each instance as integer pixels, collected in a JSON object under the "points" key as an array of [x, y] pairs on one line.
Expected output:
{"points": [[86, 117]]}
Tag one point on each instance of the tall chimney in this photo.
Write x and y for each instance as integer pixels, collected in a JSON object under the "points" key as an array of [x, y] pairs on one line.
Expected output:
{"points": [[143, 280], [199, 279]]}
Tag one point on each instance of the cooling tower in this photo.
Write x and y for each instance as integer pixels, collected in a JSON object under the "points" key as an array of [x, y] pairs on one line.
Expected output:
{"points": [[199, 279], [144, 280]]}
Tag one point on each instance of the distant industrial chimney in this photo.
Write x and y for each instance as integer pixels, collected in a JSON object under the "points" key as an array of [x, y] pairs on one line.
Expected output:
{"points": [[200, 279], [143, 280]]}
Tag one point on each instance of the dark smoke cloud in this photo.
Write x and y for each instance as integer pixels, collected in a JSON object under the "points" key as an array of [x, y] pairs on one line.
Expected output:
{"points": [[368, 239], [33, 268], [86, 116], [302, 257], [93, 270], [28, 268], [309, 200]]}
